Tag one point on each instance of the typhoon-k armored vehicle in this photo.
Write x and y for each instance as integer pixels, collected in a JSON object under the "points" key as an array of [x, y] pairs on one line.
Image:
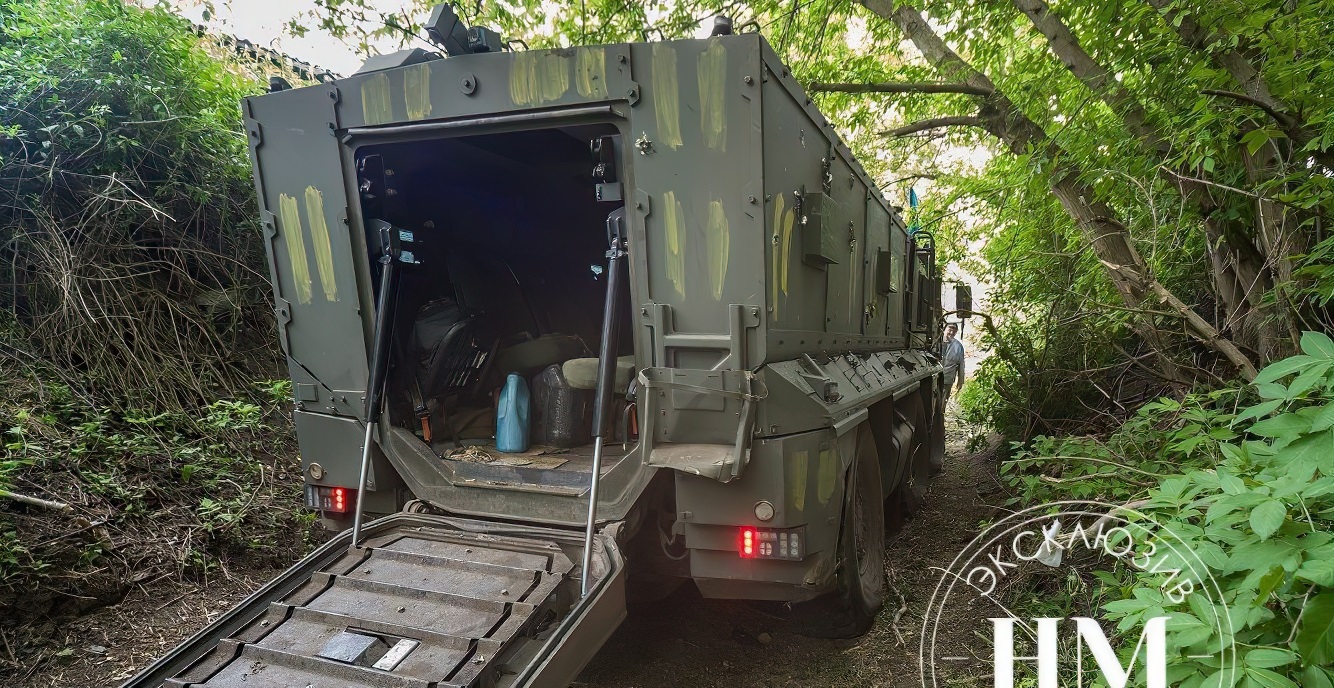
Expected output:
{"points": [[567, 323]]}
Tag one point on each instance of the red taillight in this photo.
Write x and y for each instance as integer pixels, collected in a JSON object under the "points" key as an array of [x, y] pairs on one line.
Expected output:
{"points": [[747, 542], [338, 500]]}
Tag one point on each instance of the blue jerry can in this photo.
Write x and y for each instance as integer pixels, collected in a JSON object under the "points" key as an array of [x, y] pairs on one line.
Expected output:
{"points": [[512, 415]]}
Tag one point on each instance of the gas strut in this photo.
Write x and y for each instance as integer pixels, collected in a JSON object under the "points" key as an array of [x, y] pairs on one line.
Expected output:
{"points": [[390, 255], [611, 331]]}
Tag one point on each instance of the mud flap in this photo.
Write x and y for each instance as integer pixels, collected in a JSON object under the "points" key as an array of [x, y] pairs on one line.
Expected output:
{"points": [[426, 601]]}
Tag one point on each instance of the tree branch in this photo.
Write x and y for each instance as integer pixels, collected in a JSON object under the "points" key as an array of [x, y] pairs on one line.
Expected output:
{"points": [[1282, 119], [936, 123], [899, 87]]}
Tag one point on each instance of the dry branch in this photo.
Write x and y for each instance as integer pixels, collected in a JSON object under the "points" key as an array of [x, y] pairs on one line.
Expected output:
{"points": [[35, 501]]}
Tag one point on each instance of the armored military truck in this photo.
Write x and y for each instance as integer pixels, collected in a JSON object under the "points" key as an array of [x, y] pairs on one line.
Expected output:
{"points": [[724, 330]]}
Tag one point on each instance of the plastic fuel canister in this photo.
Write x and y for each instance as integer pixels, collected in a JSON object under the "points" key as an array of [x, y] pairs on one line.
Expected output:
{"points": [[512, 415]]}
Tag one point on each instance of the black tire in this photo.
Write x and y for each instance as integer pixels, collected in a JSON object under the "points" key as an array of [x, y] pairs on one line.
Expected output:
{"points": [[937, 440], [907, 498], [850, 610]]}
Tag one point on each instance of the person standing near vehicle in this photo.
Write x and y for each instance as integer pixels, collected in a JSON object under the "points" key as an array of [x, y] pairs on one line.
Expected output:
{"points": [[951, 356]]}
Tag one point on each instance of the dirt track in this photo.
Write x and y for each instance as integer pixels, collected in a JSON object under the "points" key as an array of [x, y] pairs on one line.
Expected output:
{"points": [[682, 641]]}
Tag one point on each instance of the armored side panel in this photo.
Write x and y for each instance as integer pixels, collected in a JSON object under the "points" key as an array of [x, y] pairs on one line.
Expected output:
{"points": [[696, 173], [829, 229]]}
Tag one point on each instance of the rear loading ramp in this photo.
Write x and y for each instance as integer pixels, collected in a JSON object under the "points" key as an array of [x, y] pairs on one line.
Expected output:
{"points": [[425, 602]]}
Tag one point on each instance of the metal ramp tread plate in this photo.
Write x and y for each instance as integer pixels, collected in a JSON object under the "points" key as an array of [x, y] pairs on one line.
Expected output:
{"points": [[420, 608]]}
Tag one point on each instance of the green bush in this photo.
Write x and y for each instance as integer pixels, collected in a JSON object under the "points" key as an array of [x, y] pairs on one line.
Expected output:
{"points": [[131, 255], [1246, 476]]}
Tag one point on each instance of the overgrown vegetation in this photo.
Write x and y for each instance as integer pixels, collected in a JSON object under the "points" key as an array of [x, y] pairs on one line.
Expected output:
{"points": [[129, 239], [1245, 475], [133, 316]]}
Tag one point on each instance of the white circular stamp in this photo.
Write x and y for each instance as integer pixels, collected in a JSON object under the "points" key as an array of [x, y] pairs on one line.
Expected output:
{"points": [[1177, 628]]}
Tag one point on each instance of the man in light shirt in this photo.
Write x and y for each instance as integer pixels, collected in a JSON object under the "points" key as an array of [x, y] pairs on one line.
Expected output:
{"points": [[951, 355]]}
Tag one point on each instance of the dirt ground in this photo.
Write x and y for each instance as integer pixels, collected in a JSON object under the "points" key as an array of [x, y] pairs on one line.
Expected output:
{"points": [[683, 641]]}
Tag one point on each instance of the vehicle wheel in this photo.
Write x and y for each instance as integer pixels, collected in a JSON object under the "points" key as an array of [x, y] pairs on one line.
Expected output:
{"points": [[937, 441], [906, 499], [850, 610]]}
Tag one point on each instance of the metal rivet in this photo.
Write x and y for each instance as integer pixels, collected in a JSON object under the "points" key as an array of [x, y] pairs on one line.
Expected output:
{"points": [[402, 609], [504, 592]]}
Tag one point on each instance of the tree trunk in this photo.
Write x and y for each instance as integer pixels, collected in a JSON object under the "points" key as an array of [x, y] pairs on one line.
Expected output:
{"points": [[1109, 238]]}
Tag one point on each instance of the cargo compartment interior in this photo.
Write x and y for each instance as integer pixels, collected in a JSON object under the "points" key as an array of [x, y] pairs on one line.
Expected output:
{"points": [[511, 244]]}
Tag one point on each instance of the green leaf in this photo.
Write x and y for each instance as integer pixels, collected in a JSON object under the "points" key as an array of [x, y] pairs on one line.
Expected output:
{"points": [[1257, 554], [1267, 517], [1272, 390], [1219, 679], [1269, 679], [1262, 409], [1285, 425], [1315, 636], [1230, 484], [1285, 367], [1324, 419], [1269, 657], [1316, 677], [1309, 378], [1269, 582], [1320, 572], [1318, 344], [1255, 139]]}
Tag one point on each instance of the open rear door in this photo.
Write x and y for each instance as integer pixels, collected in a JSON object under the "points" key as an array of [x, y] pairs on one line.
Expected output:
{"points": [[427, 601]]}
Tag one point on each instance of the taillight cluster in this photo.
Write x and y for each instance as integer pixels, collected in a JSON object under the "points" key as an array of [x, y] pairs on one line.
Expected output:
{"points": [[771, 543], [337, 500]]}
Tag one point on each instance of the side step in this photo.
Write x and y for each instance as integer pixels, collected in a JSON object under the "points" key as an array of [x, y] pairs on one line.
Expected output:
{"points": [[426, 602]]}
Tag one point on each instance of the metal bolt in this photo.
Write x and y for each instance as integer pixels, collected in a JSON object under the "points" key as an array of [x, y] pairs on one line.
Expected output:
{"points": [[504, 592], [752, 199], [622, 59], [748, 79], [402, 609]]}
